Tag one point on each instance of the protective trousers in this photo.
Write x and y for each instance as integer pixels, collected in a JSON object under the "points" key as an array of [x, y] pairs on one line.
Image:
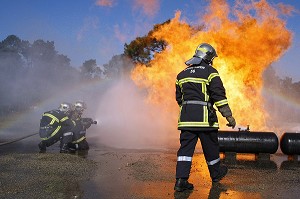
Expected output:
{"points": [[65, 140], [210, 147], [56, 137], [52, 140]]}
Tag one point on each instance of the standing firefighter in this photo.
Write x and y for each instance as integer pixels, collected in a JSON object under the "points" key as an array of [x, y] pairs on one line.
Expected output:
{"points": [[79, 131], [198, 88], [56, 126]]}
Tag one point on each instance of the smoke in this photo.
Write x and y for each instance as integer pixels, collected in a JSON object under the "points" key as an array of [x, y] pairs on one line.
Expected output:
{"points": [[126, 120], [33, 79], [281, 103]]}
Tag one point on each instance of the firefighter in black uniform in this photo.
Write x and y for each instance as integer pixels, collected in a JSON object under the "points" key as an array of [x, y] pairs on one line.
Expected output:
{"points": [[79, 141], [198, 89], [55, 126]]}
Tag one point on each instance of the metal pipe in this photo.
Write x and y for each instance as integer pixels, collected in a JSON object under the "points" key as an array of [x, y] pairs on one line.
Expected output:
{"points": [[248, 142], [290, 143]]}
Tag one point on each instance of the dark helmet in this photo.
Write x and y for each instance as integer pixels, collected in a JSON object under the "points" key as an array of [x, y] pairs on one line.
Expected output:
{"points": [[66, 107], [80, 106], [203, 52]]}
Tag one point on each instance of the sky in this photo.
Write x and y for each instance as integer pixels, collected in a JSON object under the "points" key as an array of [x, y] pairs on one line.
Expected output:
{"points": [[98, 29]]}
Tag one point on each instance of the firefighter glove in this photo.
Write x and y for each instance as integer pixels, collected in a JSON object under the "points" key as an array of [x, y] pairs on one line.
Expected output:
{"points": [[231, 121], [225, 110]]}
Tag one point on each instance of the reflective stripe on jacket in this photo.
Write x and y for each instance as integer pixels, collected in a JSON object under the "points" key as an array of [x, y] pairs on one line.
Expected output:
{"points": [[198, 83], [52, 122]]}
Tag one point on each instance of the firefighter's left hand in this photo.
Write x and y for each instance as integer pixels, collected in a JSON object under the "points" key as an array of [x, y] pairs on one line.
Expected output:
{"points": [[231, 121]]}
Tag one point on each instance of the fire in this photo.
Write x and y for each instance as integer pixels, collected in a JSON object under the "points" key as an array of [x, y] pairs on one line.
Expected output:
{"points": [[248, 38]]}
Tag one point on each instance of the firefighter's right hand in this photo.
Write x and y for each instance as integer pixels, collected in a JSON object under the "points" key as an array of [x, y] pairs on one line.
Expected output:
{"points": [[231, 121]]}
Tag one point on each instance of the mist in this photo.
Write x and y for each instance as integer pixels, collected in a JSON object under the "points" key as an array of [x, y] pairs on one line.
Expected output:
{"points": [[281, 103], [126, 120], [39, 79]]}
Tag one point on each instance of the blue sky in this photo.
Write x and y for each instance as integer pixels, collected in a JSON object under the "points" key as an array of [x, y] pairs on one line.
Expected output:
{"points": [[98, 29]]}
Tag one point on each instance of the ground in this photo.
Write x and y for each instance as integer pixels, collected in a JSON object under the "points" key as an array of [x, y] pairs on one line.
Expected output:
{"points": [[113, 173]]}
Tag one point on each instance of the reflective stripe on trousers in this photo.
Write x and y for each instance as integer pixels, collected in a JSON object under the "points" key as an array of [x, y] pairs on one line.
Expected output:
{"points": [[184, 158], [188, 141], [213, 162]]}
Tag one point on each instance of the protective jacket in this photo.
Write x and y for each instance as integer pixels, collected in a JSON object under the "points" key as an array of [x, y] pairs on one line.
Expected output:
{"points": [[79, 132], [198, 88], [54, 122], [80, 129]]}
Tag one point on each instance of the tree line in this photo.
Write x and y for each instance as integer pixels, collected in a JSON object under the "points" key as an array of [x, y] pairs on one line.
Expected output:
{"points": [[33, 72]]}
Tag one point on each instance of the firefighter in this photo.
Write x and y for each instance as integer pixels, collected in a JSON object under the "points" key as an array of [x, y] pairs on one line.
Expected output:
{"points": [[198, 89], [79, 141], [55, 126]]}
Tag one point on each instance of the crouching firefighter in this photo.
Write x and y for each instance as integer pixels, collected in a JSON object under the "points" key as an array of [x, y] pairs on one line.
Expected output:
{"points": [[55, 126], [79, 141], [198, 89]]}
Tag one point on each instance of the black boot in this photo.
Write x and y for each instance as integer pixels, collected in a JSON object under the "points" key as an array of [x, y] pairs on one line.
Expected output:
{"points": [[221, 174], [66, 149], [183, 184], [42, 147]]}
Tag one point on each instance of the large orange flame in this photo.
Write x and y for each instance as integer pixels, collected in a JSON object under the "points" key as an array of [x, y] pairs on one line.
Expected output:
{"points": [[247, 37]]}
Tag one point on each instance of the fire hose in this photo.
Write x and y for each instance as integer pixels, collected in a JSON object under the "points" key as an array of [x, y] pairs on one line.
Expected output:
{"points": [[15, 140], [89, 120]]}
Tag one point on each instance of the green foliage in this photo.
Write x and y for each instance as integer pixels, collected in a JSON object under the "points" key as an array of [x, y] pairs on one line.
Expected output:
{"points": [[118, 66], [90, 70], [31, 73], [143, 49]]}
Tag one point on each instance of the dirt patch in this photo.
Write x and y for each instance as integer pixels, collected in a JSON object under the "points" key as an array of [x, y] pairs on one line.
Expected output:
{"points": [[111, 173], [43, 175]]}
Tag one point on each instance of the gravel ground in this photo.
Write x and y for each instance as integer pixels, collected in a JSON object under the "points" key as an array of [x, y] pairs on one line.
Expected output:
{"points": [[43, 175], [110, 173]]}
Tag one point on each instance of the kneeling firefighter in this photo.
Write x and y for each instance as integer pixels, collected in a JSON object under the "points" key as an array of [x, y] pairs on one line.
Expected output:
{"points": [[198, 89], [55, 126], [79, 141]]}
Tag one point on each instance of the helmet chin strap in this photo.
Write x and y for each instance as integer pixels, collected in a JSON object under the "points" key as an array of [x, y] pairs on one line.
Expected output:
{"points": [[211, 61]]}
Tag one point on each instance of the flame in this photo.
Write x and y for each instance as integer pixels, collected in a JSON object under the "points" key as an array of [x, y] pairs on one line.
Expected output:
{"points": [[248, 38]]}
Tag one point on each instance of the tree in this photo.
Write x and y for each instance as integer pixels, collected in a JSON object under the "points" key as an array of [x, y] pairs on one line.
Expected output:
{"points": [[14, 44], [13, 54], [31, 73], [12, 66], [90, 70], [118, 66], [271, 80], [42, 52], [142, 49]]}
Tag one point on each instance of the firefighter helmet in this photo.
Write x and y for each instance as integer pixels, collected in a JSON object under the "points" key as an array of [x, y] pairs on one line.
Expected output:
{"points": [[203, 52], [65, 107], [80, 106]]}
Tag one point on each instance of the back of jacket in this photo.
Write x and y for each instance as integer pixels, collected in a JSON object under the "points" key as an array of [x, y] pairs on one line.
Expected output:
{"points": [[195, 87], [52, 121]]}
